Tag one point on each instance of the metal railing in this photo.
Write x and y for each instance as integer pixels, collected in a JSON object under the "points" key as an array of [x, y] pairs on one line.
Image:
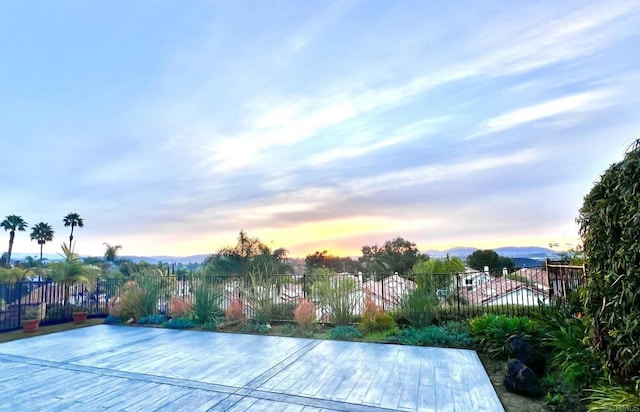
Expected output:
{"points": [[454, 296]]}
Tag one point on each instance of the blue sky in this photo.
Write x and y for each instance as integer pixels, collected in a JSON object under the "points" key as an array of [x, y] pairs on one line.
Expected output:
{"points": [[170, 126]]}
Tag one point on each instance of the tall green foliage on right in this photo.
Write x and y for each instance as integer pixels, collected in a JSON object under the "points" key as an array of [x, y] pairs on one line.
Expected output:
{"points": [[610, 226]]}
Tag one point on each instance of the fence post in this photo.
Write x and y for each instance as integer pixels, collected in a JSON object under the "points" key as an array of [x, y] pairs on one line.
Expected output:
{"points": [[458, 296], [20, 305], [383, 299]]}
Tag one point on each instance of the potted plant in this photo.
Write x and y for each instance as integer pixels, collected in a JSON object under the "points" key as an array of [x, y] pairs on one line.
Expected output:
{"points": [[31, 318], [79, 314]]}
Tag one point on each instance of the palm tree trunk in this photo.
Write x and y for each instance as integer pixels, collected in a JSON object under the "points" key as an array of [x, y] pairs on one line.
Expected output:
{"points": [[12, 234], [71, 237], [40, 266]]}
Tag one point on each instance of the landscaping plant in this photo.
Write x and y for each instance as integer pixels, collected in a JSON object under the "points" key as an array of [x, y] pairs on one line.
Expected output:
{"points": [[345, 332], [207, 302], [337, 296], [234, 311], [374, 318], [305, 316], [490, 331], [180, 308], [609, 223]]}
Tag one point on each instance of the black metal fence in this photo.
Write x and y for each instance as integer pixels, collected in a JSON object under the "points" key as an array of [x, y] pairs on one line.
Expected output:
{"points": [[455, 296]]}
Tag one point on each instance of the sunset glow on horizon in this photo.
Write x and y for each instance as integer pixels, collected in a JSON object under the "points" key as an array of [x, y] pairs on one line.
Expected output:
{"points": [[171, 126]]}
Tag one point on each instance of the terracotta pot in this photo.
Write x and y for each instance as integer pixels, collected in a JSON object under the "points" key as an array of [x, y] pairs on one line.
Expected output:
{"points": [[79, 317], [30, 325]]}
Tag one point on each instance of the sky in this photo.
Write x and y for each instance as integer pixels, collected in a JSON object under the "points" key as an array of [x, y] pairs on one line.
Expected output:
{"points": [[326, 125]]}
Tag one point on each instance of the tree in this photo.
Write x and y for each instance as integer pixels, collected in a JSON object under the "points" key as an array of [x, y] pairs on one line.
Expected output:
{"points": [[71, 270], [481, 258], [437, 274], [43, 233], [13, 223], [111, 253], [397, 255], [319, 260], [249, 255], [609, 224], [73, 220]]}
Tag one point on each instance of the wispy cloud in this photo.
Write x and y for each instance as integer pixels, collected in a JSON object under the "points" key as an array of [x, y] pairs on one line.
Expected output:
{"points": [[580, 102]]}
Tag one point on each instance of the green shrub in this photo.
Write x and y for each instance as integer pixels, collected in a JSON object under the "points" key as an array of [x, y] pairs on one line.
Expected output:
{"points": [[613, 398], [335, 295], [179, 323], [283, 311], [374, 318], [207, 302], [565, 339], [212, 324], [491, 331], [450, 335], [609, 223], [255, 327], [58, 311], [113, 320], [418, 307], [257, 292], [345, 332], [289, 329], [152, 320], [149, 296]]}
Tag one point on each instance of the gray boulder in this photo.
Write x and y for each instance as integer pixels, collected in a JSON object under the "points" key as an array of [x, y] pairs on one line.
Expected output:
{"points": [[521, 379]]}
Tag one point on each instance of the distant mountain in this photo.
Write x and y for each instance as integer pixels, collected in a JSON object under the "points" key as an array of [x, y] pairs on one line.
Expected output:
{"points": [[167, 259], [532, 252]]}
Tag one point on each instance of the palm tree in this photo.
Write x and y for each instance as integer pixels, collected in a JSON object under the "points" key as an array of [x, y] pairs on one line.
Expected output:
{"points": [[71, 270], [43, 233], [73, 220], [13, 223], [111, 253]]}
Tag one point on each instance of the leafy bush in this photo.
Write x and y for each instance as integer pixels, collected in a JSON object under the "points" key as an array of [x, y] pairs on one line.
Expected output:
{"points": [[180, 308], [345, 332], [207, 304], [283, 311], [152, 320], [257, 292], [566, 339], [255, 327], [374, 318], [491, 331], [335, 296], [613, 398], [450, 335], [149, 297], [212, 324], [289, 330], [418, 306], [113, 320], [609, 223], [178, 323], [127, 303], [58, 311]]}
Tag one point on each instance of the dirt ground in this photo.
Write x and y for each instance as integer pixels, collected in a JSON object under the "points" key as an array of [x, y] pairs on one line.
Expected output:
{"points": [[512, 402], [44, 330]]}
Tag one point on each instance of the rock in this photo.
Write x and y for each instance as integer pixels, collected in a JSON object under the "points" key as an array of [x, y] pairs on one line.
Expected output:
{"points": [[518, 348], [521, 379]]}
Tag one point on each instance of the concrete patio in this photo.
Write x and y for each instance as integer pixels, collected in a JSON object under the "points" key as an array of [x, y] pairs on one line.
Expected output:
{"points": [[124, 368]]}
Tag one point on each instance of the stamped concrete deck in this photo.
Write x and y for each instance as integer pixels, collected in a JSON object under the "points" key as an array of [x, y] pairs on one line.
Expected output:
{"points": [[145, 369]]}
